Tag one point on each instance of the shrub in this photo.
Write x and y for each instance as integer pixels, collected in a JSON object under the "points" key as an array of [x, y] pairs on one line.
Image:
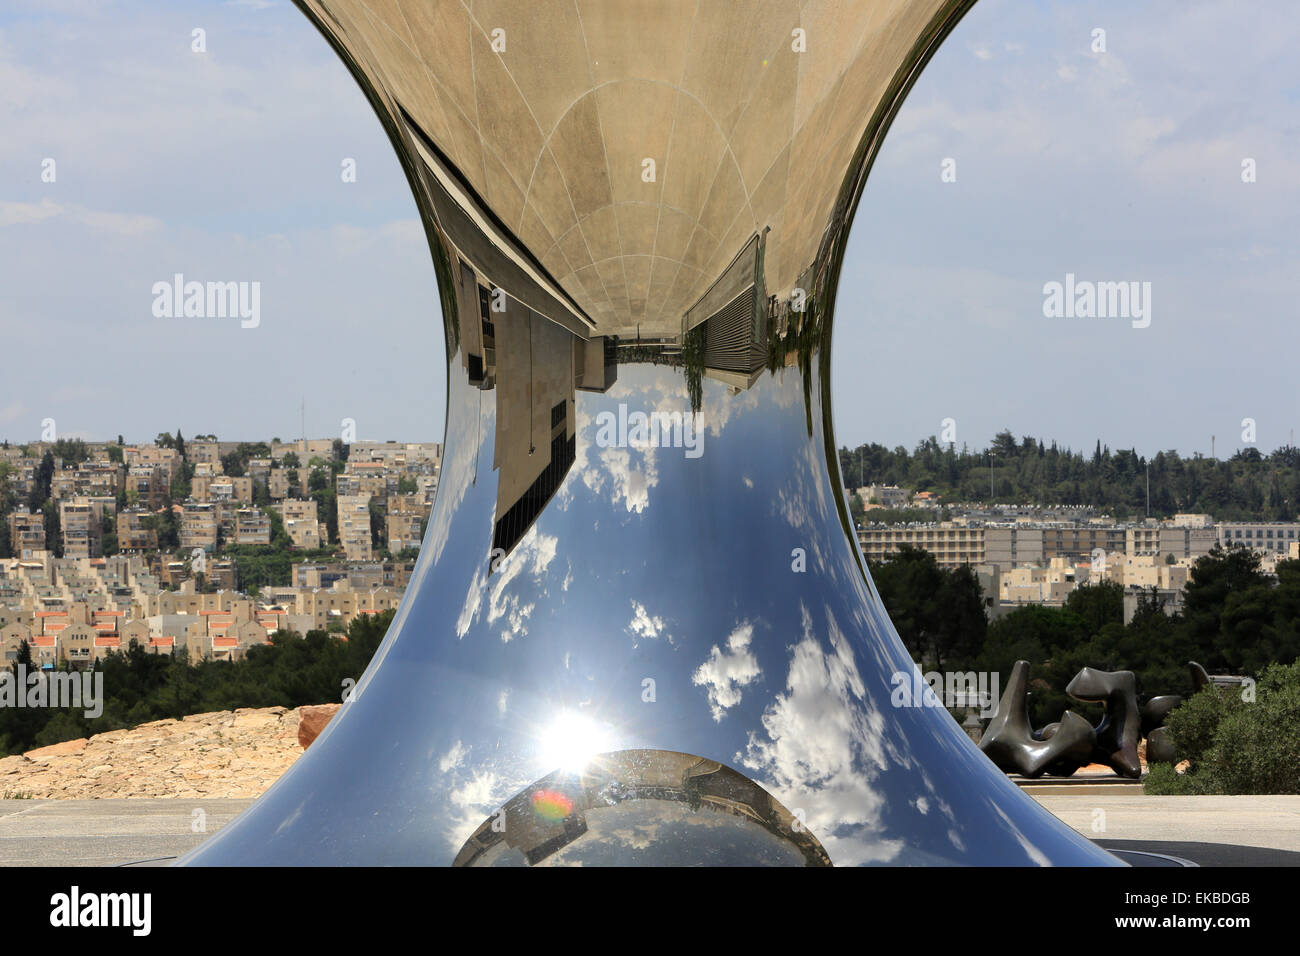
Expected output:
{"points": [[1234, 746], [1164, 781]]}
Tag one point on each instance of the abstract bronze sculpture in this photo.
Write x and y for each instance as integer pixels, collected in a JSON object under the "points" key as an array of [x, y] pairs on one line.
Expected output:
{"points": [[1061, 748], [1120, 727], [1011, 744], [1160, 743], [640, 629]]}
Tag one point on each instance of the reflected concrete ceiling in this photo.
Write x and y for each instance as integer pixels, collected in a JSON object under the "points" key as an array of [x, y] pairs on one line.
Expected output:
{"points": [[748, 134]]}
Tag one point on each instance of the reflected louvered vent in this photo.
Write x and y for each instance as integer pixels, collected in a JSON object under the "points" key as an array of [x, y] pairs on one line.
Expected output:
{"points": [[729, 342]]}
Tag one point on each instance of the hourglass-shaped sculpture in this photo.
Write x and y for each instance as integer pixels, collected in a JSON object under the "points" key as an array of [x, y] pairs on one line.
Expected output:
{"points": [[640, 630]]}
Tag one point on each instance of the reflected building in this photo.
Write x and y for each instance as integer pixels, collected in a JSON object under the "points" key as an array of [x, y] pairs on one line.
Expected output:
{"points": [[535, 366], [624, 651]]}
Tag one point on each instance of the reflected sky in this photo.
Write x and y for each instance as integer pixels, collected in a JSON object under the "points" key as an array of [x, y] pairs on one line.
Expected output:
{"points": [[710, 606]]}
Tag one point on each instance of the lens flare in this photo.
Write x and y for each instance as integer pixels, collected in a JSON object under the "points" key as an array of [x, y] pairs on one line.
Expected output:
{"points": [[551, 805]]}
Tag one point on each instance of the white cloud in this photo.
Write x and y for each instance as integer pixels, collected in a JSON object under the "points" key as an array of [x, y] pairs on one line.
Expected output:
{"points": [[645, 624], [725, 673], [454, 757], [821, 748]]}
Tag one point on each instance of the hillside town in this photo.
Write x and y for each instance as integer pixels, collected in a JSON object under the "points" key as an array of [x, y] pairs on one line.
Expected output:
{"points": [[1025, 554], [202, 545]]}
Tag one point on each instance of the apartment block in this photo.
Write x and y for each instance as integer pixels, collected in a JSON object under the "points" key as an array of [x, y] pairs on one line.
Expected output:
{"points": [[405, 521], [301, 523], [26, 532], [82, 525], [1146, 571], [1038, 585], [305, 449], [1266, 537], [887, 496], [277, 484], [397, 454], [167, 458], [952, 545], [225, 488], [354, 527], [366, 483], [1165, 539], [252, 526], [148, 483], [1010, 547], [132, 535], [91, 479], [199, 522]]}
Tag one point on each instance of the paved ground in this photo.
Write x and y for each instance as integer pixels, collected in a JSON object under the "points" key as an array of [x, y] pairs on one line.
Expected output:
{"points": [[1210, 831], [106, 832]]}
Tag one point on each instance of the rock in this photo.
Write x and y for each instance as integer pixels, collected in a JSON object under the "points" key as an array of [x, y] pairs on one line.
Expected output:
{"points": [[203, 755], [312, 720], [58, 750]]}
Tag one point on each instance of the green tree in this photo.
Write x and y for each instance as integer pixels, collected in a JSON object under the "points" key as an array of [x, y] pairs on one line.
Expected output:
{"points": [[938, 612], [1097, 604], [53, 529]]}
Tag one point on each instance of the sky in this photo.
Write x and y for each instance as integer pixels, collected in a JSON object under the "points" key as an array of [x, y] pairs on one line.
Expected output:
{"points": [[1122, 165]]}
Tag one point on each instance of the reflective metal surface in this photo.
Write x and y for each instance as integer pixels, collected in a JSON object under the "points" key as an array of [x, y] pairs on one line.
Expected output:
{"points": [[637, 639]]}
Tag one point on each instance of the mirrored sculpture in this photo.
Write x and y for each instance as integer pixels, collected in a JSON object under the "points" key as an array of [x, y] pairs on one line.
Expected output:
{"points": [[640, 629]]}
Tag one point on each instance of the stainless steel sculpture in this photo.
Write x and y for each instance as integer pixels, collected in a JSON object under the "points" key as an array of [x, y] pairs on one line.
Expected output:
{"points": [[640, 629]]}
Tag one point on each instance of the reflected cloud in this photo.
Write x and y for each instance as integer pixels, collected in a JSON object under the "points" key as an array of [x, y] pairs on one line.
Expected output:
{"points": [[726, 672], [821, 749], [646, 625], [527, 563]]}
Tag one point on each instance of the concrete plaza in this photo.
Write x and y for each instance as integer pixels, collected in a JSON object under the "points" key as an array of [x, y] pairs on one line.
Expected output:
{"points": [[1209, 831]]}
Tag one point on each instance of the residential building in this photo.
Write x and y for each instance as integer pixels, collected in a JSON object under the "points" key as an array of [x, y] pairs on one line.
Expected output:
{"points": [[26, 531], [252, 526], [82, 526], [199, 521], [132, 535], [405, 521], [886, 496], [354, 527], [301, 522]]}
